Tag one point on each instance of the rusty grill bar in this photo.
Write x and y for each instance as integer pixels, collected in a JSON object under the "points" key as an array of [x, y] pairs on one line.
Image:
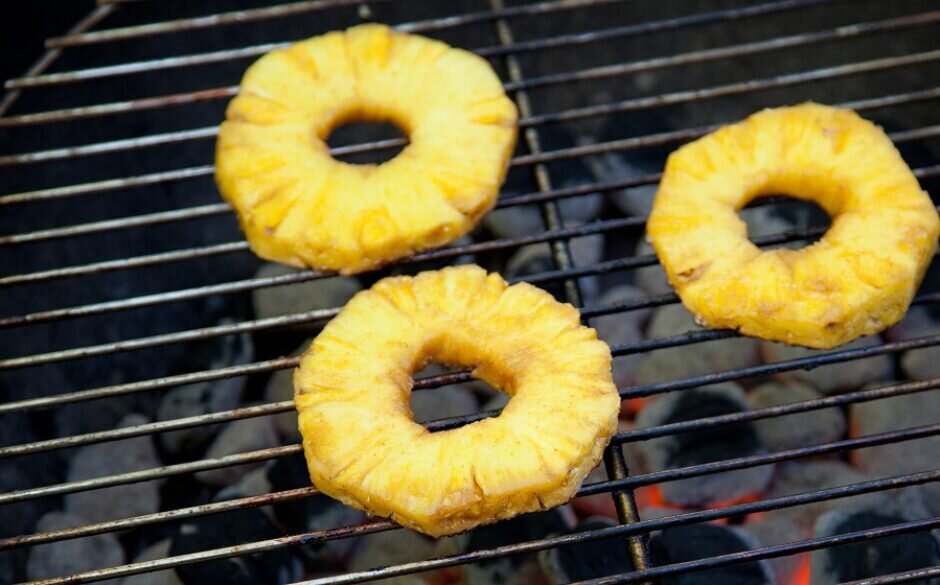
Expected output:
{"points": [[509, 52]]}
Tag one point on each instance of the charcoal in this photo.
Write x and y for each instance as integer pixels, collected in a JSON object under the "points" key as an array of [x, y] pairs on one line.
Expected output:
{"points": [[158, 550], [522, 220], [514, 569], [205, 397], [311, 514], [586, 560], [872, 557], [703, 446], [274, 567], [392, 548], [239, 436], [302, 297], [893, 414], [75, 555], [105, 459], [798, 477], [922, 363], [834, 378], [617, 330], [773, 531], [280, 388], [651, 279], [687, 361], [698, 541], [796, 430]]}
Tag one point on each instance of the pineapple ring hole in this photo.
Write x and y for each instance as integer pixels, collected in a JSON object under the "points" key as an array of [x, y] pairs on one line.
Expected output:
{"points": [[782, 214], [449, 400], [353, 132]]}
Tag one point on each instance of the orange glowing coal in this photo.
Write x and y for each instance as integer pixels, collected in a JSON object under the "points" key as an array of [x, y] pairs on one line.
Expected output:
{"points": [[631, 407], [801, 576], [652, 497]]}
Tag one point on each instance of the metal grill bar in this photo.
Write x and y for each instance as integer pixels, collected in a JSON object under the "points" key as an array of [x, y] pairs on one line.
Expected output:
{"points": [[192, 253], [643, 527], [125, 263], [454, 422], [620, 482], [423, 26], [220, 208], [246, 326], [290, 9], [768, 552], [577, 151], [156, 518], [153, 384], [184, 294], [253, 283], [195, 172], [107, 185], [147, 429], [905, 577], [589, 489], [606, 71], [736, 88], [184, 24], [256, 50], [527, 120], [119, 223], [49, 57], [147, 474]]}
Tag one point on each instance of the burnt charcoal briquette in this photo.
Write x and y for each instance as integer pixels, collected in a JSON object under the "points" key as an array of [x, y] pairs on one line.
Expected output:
{"points": [[874, 557], [513, 569], [311, 514], [711, 444], [707, 445], [220, 530], [691, 543], [587, 560]]}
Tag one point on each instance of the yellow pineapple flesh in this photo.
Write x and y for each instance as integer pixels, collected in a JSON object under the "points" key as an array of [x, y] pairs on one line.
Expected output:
{"points": [[299, 206], [857, 280], [353, 385]]}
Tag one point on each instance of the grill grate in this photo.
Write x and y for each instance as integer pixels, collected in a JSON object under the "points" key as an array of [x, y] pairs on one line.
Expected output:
{"points": [[515, 54]]}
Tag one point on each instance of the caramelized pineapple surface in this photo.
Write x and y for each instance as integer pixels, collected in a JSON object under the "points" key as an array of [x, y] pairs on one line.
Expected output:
{"points": [[857, 280], [298, 205], [353, 384]]}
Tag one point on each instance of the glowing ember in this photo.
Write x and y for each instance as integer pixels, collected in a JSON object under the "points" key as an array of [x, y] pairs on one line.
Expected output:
{"points": [[630, 407], [652, 497], [801, 576]]}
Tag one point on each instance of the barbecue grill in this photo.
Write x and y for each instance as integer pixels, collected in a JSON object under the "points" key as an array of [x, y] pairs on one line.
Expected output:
{"points": [[116, 250]]}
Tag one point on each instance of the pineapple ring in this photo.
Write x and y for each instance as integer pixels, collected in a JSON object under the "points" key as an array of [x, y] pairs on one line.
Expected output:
{"points": [[298, 205], [363, 446], [857, 280]]}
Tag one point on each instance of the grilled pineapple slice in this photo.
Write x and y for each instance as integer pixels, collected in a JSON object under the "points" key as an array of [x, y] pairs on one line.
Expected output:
{"points": [[353, 384], [857, 280], [299, 206]]}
